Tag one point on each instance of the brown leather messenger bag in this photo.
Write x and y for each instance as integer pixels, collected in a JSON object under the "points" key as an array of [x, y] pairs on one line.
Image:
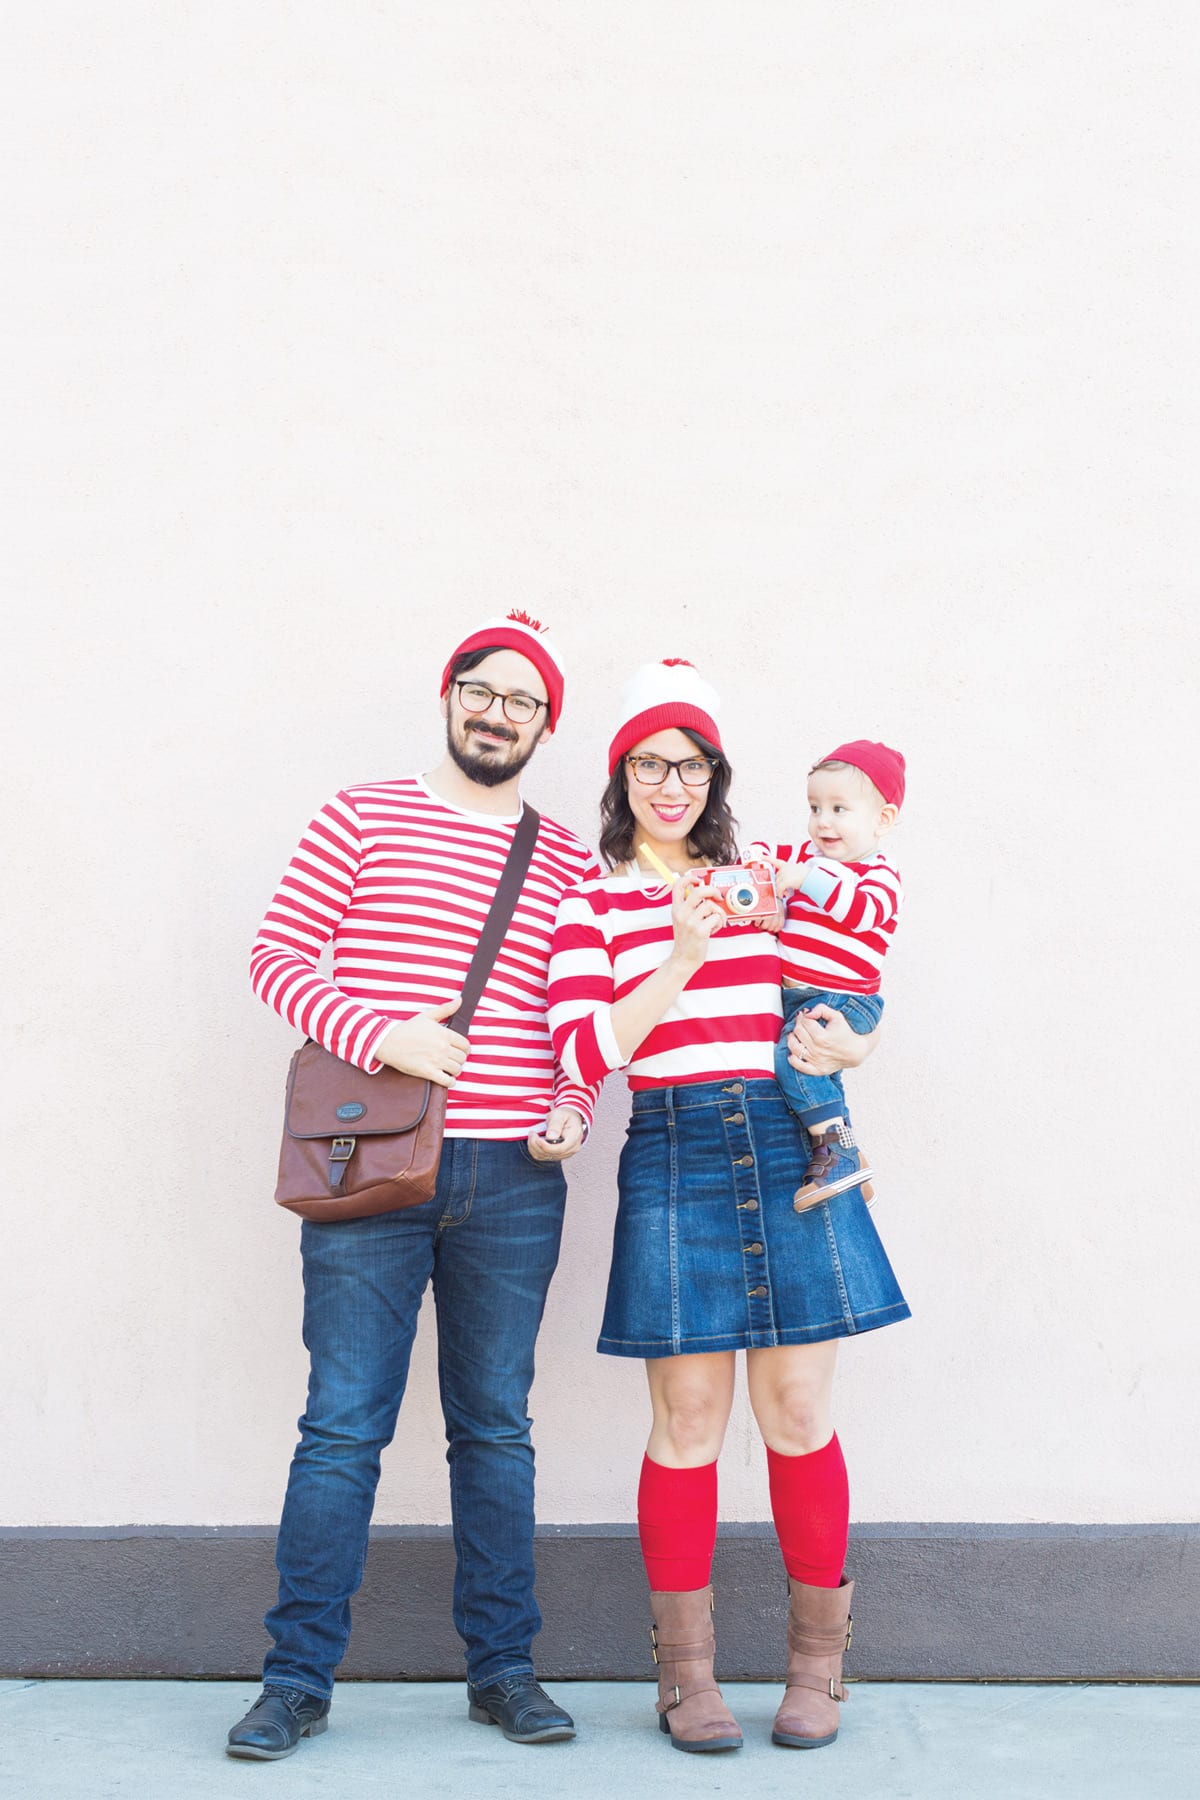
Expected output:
{"points": [[357, 1144]]}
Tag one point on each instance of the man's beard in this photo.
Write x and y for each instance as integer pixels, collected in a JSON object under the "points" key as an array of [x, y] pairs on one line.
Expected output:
{"points": [[490, 767]]}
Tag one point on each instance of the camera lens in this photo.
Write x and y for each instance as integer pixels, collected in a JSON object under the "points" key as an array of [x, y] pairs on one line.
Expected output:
{"points": [[742, 898]]}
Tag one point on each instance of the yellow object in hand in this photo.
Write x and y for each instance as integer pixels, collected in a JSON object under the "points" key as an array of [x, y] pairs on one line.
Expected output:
{"points": [[670, 876]]}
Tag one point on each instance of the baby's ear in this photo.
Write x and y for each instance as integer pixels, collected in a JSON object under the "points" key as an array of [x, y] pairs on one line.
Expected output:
{"points": [[888, 814]]}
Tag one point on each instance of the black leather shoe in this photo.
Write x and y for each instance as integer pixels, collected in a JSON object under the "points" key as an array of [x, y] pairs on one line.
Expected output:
{"points": [[519, 1707], [276, 1722]]}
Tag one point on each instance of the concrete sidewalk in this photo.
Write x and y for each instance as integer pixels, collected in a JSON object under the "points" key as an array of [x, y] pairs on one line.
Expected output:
{"points": [[97, 1740]]}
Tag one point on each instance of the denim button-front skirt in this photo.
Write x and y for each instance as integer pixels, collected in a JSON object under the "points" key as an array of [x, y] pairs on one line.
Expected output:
{"points": [[708, 1250]]}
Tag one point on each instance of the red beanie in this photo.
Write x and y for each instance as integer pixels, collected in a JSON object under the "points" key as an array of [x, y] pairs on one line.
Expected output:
{"points": [[662, 696], [883, 765], [517, 632]]}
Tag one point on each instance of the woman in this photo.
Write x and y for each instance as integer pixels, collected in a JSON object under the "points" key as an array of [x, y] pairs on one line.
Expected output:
{"points": [[710, 1255]]}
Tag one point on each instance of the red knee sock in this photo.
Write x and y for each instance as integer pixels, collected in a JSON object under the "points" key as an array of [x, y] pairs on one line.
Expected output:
{"points": [[810, 1502], [677, 1525]]}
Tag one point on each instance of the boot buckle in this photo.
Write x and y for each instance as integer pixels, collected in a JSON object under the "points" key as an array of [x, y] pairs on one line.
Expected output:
{"points": [[670, 1705], [849, 1628], [654, 1644]]}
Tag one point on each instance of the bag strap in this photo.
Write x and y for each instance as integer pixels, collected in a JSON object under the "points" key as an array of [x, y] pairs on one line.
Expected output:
{"points": [[504, 905]]}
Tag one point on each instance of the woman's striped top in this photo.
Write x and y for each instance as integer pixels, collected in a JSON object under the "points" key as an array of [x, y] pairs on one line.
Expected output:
{"points": [[611, 933]]}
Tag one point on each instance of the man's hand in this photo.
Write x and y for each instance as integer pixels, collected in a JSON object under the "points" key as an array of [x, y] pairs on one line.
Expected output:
{"points": [[423, 1046], [560, 1136]]}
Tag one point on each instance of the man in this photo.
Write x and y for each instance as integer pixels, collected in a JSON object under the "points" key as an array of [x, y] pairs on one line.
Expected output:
{"points": [[400, 875]]}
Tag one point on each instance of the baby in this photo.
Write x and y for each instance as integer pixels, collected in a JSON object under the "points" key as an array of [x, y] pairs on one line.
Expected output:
{"points": [[843, 897]]}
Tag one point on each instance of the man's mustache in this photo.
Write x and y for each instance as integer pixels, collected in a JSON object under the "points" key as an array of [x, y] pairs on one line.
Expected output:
{"points": [[510, 737]]}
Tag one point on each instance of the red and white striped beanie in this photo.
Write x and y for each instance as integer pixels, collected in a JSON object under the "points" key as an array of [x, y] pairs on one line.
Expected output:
{"points": [[517, 632], [662, 696]]}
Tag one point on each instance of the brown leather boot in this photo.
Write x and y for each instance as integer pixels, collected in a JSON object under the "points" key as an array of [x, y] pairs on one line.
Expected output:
{"points": [[819, 1628], [690, 1708]]}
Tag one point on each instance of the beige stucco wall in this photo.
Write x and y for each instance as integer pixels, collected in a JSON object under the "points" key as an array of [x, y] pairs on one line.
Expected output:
{"points": [[848, 351]]}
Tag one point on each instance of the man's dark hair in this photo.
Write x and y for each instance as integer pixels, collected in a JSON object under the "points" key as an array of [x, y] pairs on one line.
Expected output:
{"points": [[470, 659], [713, 837]]}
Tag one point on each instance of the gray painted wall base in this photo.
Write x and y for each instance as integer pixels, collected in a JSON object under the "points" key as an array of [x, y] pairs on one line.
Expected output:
{"points": [[933, 1602]]}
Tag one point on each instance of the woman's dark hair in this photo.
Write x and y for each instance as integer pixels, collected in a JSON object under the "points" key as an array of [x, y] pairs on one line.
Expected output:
{"points": [[713, 837]]}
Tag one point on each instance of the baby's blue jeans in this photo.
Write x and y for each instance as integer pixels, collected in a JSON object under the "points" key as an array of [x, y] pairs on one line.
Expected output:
{"points": [[815, 1098]]}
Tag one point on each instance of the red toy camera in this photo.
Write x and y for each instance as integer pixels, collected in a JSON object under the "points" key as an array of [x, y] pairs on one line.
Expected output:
{"points": [[745, 892]]}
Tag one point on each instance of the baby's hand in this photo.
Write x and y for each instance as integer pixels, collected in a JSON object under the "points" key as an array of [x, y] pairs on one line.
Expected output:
{"points": [[788, 875]]}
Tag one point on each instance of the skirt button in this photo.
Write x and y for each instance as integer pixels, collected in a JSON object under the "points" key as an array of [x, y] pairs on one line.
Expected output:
{"points": [[743, 1162], [737, 1119], [753, 1250], [757, 1293], [748, 1206]]}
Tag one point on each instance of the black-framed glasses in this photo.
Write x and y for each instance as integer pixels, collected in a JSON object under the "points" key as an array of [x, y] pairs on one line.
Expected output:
{"points": [[476, 697], [652, 771]]}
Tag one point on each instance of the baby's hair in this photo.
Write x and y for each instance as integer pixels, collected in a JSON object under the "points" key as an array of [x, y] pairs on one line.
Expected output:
{"points": [[832, 763]]}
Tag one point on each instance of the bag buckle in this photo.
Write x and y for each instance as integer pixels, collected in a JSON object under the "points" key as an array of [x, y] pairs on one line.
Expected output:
{"points": [[340, 1152]]}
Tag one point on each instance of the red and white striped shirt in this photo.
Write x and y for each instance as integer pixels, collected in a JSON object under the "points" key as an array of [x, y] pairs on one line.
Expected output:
{"points": [[611, 934], [401, 883], [838, 927]]}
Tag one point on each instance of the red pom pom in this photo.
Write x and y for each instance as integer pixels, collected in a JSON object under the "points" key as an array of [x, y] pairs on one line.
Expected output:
{"points": [[677, 662], [522, 618]]}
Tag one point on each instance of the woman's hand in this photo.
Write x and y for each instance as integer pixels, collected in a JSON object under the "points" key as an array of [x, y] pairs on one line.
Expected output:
{"points": [[821, 1042], [560, 1137], [695, 915], [423, 1046]]}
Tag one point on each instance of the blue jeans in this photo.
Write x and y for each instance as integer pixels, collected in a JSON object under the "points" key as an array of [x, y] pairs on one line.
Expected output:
{"points": [[815, 1098], [489, 1242]]}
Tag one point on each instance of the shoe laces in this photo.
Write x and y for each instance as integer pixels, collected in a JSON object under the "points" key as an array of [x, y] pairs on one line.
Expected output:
{"points": [[293, 1697], [511, 1684]]}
